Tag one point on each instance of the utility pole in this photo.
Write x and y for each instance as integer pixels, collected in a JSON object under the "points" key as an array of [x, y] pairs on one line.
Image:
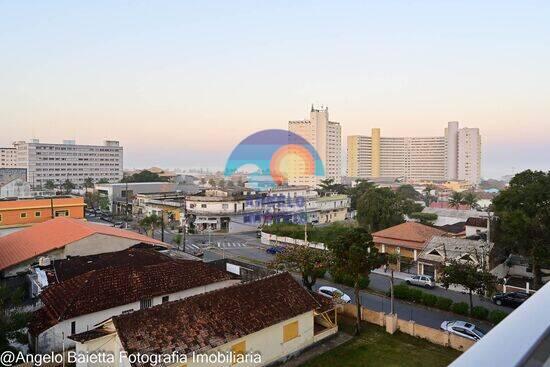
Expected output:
{"points": [[391, 292], [305, 216], [162, 225]]}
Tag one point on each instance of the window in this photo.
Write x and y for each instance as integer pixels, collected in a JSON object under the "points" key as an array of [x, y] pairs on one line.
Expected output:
{"points": [[73, 327], [37, 214], [290, 331], [61, 213], [203, 205], [0, 218], [165, 299], [145, 303], [23, 215]]}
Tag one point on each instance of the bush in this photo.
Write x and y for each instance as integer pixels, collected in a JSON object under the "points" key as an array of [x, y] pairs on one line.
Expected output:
{"points": [[348, 280], [497, 316], [416, 295], [480, 312], [429, 299], [444, 303], [460, 308], [401, 291]]}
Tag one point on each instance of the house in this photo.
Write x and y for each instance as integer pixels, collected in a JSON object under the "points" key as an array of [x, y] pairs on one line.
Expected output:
{"points": [[60, 238], [90, 289], [405, 240], [273, 318], [15, 188], [440, 250], [29, 211], [476, 226]]}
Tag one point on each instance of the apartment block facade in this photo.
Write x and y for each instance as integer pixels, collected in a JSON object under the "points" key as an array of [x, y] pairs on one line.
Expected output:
{"points": [[8, 158], [326, 137], [454, 156], [69, 161]]}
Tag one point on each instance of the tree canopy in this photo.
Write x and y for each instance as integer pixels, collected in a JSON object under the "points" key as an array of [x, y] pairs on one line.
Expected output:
{"points": [[310, 262], [144, 176]]}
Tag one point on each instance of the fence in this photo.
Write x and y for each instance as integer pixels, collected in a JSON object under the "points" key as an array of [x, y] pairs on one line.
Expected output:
{"points": [[410, 327], [274, 240]]}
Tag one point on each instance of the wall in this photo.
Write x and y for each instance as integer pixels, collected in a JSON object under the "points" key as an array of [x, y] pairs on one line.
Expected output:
{"points": [[56, 336], [98, 244], [38, 210], [273, 240]]}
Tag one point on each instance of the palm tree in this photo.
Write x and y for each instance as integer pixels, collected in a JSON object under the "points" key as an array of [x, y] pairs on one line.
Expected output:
{"points": [[471, 199], [428, 198], [88, 182], [456, 199], [150, 222], [49, 185]]}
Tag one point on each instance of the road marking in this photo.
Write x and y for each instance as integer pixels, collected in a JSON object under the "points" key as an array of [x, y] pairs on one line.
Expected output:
{"points": [[219, 244], [194, 246]]}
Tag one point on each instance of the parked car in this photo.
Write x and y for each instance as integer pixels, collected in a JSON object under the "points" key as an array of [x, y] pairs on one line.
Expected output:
{"points": [[118, 224], [425, 281], [274, 250], [511, 299], [464, 329], [334, 293]]}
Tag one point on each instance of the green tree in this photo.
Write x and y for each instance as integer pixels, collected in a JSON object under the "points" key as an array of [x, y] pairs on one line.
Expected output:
{"points": [[359, 190], [11, 319], [456, 199], [103, 181], [212, 182], [523, 219], [88, 183], [177, 240], [379, 208], [145, 176], [424, 218], [68, 186], [470, 199], [49, 185], [408, 192], [427, 195], [150, 223], [468, 275], [354, 255], [310, 262]]}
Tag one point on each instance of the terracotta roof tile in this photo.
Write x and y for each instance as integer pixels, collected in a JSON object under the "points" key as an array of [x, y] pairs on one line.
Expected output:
{"points": [[55, 234], [408, 234], [211, 319]]}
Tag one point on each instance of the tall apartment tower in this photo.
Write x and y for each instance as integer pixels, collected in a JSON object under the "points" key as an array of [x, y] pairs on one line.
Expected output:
{"points": [[469, 155], [69, 161], [451, 135], [326, 137]]}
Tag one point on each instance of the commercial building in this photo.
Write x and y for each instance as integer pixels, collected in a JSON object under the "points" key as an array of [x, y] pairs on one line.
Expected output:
{"points": [[326, 137], [25, 212], [69, 161], [8, 158], [454, 156]]}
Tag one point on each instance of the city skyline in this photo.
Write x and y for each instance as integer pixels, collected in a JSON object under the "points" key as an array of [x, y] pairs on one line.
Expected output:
{"points": [[180, 85]]}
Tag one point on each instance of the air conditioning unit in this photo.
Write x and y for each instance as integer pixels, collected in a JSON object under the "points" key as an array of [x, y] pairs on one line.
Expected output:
{"points": [[44, 261]]}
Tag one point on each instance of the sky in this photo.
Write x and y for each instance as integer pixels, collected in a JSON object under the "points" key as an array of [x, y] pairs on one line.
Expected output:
{"points": [[180, 83]]}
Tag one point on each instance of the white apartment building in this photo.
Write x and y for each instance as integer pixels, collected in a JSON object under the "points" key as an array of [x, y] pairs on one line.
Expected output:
{"points": [[69, 161], [8, 158], [454, 156], [326, 137]]}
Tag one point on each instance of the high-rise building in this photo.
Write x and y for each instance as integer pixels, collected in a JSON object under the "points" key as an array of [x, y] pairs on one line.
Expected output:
{"points": [[8, 158], [69, 161], [326, 137], [455, 156]]}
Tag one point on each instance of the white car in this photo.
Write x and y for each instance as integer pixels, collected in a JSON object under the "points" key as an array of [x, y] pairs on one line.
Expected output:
{"points": [[334, 293], [463, 328], [425, 281]]}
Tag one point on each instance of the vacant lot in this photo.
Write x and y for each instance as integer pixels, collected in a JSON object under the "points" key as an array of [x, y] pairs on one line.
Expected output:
{"points": [[375, 347]]}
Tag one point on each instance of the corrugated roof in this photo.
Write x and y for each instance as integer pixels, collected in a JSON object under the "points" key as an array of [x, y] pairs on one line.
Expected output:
{"points": [[55, 234]]}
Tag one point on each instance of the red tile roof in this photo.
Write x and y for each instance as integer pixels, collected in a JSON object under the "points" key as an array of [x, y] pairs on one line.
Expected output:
{"points": [[55, 234], [477, 222], [409, 234], [109, 287], [208, 320]]}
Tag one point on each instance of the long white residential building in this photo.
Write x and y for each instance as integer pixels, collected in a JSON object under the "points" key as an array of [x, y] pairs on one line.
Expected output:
{"points": [[8, 158], [454, 156], [69, 161], [326, 137]]}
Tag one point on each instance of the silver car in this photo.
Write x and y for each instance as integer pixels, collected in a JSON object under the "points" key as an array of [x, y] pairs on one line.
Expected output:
{"points": [[425, 281], [463, 329]]}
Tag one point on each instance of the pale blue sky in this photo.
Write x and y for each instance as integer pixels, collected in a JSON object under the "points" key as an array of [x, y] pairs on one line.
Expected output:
{"points": [[180, 82]]}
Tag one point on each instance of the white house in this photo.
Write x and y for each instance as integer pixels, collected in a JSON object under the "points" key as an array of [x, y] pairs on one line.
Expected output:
{"points": [[15, 188]]}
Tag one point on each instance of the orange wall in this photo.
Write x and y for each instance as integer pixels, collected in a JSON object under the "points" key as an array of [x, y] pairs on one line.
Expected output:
{"points": [[10, 211]]}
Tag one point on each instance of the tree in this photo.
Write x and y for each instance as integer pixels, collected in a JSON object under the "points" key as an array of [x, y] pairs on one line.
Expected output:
{"points": [[68, 186], [150, 223], [456, 199], [359, 190], [468, 275], [427, 195], [145, 176], [523, 219], [325, 186], [88, 182], [103, 181], [310, 262], [408, 192], [470, 199], [379, 208], [177, 239], [424, 218], [354, 255], [49, 185], [12, 321], [212, 182]]}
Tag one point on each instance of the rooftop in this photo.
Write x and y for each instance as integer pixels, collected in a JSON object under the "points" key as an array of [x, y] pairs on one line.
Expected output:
{"points": [[208, 320], [408, 234], [55, 234], [439, 247], [477, 222]]}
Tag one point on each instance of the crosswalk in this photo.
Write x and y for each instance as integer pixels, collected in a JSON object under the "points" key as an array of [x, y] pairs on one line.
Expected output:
{"points": [[223, 245]]}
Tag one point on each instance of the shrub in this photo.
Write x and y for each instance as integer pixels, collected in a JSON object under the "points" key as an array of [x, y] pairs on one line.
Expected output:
{"points": [[429, 299], [401, 291], [348, 280], [416, 295], [460, 308], [497, 316], [480, 312], [444, 303]]}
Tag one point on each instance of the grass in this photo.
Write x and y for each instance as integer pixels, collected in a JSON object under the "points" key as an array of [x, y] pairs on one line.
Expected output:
{"points": [[375, 347]]}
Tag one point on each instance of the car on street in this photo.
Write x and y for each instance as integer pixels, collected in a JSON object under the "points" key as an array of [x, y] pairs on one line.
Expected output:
{"points": [[274, 250], [118, 224], [425, 281], [464, 329], [511, 299], [334, 293]]}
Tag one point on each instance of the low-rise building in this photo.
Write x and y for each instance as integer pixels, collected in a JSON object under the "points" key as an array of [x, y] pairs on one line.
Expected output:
{"points": [[273, 318], [332, 208], [29, 211], [15, 188], [170, 206], [60, 238], [88, 290], [476, 226]]}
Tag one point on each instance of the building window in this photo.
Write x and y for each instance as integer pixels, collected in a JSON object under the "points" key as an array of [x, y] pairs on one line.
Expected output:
{"points": [[37, 214], [23, 215], [165, 299], [290, 331], [145, 303], [61, 213], [73, 327], [203, 205], [0, 218]]}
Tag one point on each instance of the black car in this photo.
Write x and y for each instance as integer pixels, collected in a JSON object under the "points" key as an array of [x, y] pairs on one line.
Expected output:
{"points": [[512, 299]]}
